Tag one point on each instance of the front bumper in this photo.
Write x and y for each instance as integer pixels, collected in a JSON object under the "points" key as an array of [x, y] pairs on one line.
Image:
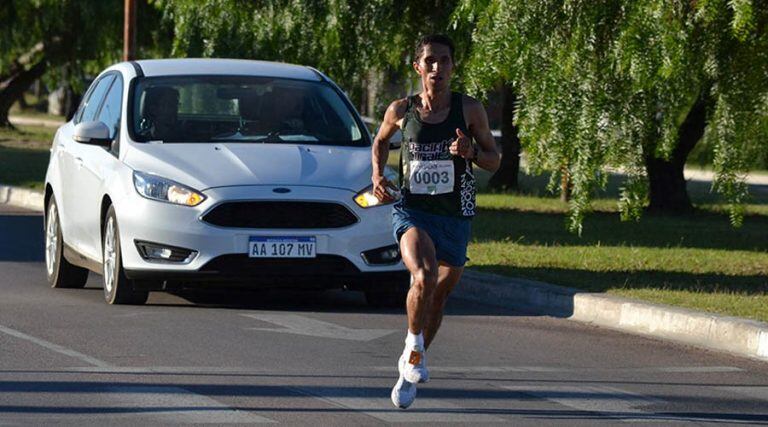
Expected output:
{"points": [[222, 252], [239, 271]]}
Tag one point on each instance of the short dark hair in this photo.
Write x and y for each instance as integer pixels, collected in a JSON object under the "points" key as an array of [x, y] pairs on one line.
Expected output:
{"points": [[432, 39]]}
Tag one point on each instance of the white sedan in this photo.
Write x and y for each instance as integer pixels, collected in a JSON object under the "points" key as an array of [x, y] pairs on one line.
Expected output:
{"points": [[215, 173]]}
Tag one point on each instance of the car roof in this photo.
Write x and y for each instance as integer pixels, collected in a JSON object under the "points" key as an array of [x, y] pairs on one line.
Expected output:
{"points": [[205, 66]]}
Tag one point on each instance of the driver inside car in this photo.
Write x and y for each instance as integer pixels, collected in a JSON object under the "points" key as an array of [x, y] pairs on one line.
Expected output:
{"points": [[159, 112]]}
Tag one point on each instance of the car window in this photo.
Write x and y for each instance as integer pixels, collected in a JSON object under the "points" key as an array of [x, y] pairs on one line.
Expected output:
{"points": [[95, 96], [110, 110], [242, 109]]}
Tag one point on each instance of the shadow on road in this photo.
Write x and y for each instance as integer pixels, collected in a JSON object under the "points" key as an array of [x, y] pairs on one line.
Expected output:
{"points": [[696, 403], [21, 238], [332, 301]]}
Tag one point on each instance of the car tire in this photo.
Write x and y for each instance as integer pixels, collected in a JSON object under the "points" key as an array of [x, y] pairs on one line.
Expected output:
{"points": [[118, 289], [392, 296], [59, 272]]}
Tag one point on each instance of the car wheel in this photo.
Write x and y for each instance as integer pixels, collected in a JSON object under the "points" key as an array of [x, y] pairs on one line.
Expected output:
{"points": [[118, 289], [392, 296], [59, 272]]}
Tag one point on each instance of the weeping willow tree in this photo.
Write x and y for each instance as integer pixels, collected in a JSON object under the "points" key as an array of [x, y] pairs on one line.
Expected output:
{"points": [[632, 85], [42, 38], [348, 40], [64, 41]]}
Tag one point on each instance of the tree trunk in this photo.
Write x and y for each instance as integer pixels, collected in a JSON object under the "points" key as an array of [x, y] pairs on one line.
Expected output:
{"points": [[14, 83], [506, 177], [668, 192]]}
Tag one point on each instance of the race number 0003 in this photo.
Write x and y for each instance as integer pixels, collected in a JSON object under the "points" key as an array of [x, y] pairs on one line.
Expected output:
{"points": [[431, 177]]}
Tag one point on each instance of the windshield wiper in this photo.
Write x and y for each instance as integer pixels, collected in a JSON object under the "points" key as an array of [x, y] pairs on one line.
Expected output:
{"points": [[271, 137]]}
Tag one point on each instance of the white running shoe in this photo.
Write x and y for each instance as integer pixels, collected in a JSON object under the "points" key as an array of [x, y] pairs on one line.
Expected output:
{"points": [[403, 393], [413, 365]]}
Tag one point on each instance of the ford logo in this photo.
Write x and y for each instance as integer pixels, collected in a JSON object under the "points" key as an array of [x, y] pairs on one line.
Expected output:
{"points": [[281, 190]]}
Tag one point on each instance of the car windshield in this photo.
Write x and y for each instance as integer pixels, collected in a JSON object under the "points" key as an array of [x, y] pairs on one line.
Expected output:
{"points": [[241, 109]]}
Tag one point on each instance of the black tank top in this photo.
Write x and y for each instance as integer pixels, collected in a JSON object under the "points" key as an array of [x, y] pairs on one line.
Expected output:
{"points": [[433, 180]]}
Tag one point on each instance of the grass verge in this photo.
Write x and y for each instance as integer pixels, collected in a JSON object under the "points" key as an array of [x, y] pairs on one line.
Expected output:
{"points": [[24, 154], [697, 261]]}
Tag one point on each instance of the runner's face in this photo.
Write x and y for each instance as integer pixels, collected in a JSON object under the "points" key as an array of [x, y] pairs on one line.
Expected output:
{"points": [[435, 67]]}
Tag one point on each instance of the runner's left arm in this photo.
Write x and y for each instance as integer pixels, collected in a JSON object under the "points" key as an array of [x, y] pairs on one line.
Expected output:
{"points": [[485, 153]]}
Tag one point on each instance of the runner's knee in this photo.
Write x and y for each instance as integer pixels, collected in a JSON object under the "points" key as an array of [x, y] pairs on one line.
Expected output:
{"points": [[424, 280]]}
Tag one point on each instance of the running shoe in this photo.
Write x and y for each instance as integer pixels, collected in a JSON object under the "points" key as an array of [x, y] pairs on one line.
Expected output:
{"points": [[413, 365], [404, 393]]}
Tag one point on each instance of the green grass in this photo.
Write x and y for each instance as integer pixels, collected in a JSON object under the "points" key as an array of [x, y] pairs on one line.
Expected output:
{"points": [[24, 155], [36, 109], [696, 261]]}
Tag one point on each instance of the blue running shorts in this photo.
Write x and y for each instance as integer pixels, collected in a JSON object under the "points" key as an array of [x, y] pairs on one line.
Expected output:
{"points": [[450, 234]]}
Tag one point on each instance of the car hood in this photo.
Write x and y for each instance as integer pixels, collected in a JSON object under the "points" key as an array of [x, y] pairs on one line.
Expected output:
{"points": [[203, 166]]}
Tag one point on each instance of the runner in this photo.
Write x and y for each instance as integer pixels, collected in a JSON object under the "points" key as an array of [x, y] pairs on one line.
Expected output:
{"points": [[432, 220]]}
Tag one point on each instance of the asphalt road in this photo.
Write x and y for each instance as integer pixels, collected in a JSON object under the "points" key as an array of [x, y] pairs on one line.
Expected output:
{"points": [[326, 359]]}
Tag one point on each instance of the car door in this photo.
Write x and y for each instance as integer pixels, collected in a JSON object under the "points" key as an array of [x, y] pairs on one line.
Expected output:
{"points": [[96, 165], [70, 162]]}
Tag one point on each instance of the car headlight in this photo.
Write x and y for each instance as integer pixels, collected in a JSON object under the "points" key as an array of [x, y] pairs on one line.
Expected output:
{"points": [[366, 199], [164, 190]]}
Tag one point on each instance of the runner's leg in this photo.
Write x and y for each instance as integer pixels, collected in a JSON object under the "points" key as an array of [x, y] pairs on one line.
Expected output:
{"points": [[418, 253], [448, 277]]}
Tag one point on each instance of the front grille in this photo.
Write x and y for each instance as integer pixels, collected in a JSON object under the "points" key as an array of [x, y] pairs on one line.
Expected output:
{"points": [[265, 214], [243, 265]]}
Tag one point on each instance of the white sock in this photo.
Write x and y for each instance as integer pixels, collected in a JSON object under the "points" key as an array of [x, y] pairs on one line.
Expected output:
{"points": [[414, 340]]}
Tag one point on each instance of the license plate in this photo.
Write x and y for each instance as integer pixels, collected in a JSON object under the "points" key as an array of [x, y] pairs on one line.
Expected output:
{"points": [[281, 247]]}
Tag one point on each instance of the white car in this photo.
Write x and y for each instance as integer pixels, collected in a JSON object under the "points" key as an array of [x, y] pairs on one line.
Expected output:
{"points": [[181, 173]]}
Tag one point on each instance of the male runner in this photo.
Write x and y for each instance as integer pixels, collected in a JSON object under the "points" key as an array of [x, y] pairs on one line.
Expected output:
{"points": [[432, 220]]}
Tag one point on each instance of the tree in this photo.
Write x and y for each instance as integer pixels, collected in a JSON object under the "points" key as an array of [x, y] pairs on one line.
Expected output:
{"points": [[37, 37], [63, 40], [351, 41], [631, 84]]}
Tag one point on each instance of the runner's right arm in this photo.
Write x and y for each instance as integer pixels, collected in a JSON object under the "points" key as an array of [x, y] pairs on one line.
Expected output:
{"points": [[380, 150]]}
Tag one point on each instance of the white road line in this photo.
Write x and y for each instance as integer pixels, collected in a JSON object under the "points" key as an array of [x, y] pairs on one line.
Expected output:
{"points": [[754, 392], [376, 403], [137, 405], [171, 404], [177, 405], [604, 400], [695, 369], [55, 347], [202, 370], [512, 369], [302, 325]]}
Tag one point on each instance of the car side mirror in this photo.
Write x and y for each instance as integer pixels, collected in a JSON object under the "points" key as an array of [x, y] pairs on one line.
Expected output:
{"points": [[92, 133]]}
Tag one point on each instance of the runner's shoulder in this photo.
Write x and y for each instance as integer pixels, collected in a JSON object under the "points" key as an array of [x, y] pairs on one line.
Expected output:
{"points": [[396, 109], [470, 102]]}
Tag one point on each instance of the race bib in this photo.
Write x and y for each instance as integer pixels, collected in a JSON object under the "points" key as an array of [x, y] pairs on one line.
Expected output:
{"points": [[431, 177]]}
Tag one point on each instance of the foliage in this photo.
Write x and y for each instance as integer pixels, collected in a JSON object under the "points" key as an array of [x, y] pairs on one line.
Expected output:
{"points": [[79, 37], [605, 83], [344, 39], [84, 35]]}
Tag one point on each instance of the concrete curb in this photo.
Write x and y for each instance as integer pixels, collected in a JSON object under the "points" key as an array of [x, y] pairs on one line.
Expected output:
{"points": [[22, 197], [730, 334], [34, 121]]}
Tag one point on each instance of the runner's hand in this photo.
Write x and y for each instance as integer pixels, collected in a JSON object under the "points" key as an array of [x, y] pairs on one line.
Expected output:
{"points": [[380, 185], [462, 146]]}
